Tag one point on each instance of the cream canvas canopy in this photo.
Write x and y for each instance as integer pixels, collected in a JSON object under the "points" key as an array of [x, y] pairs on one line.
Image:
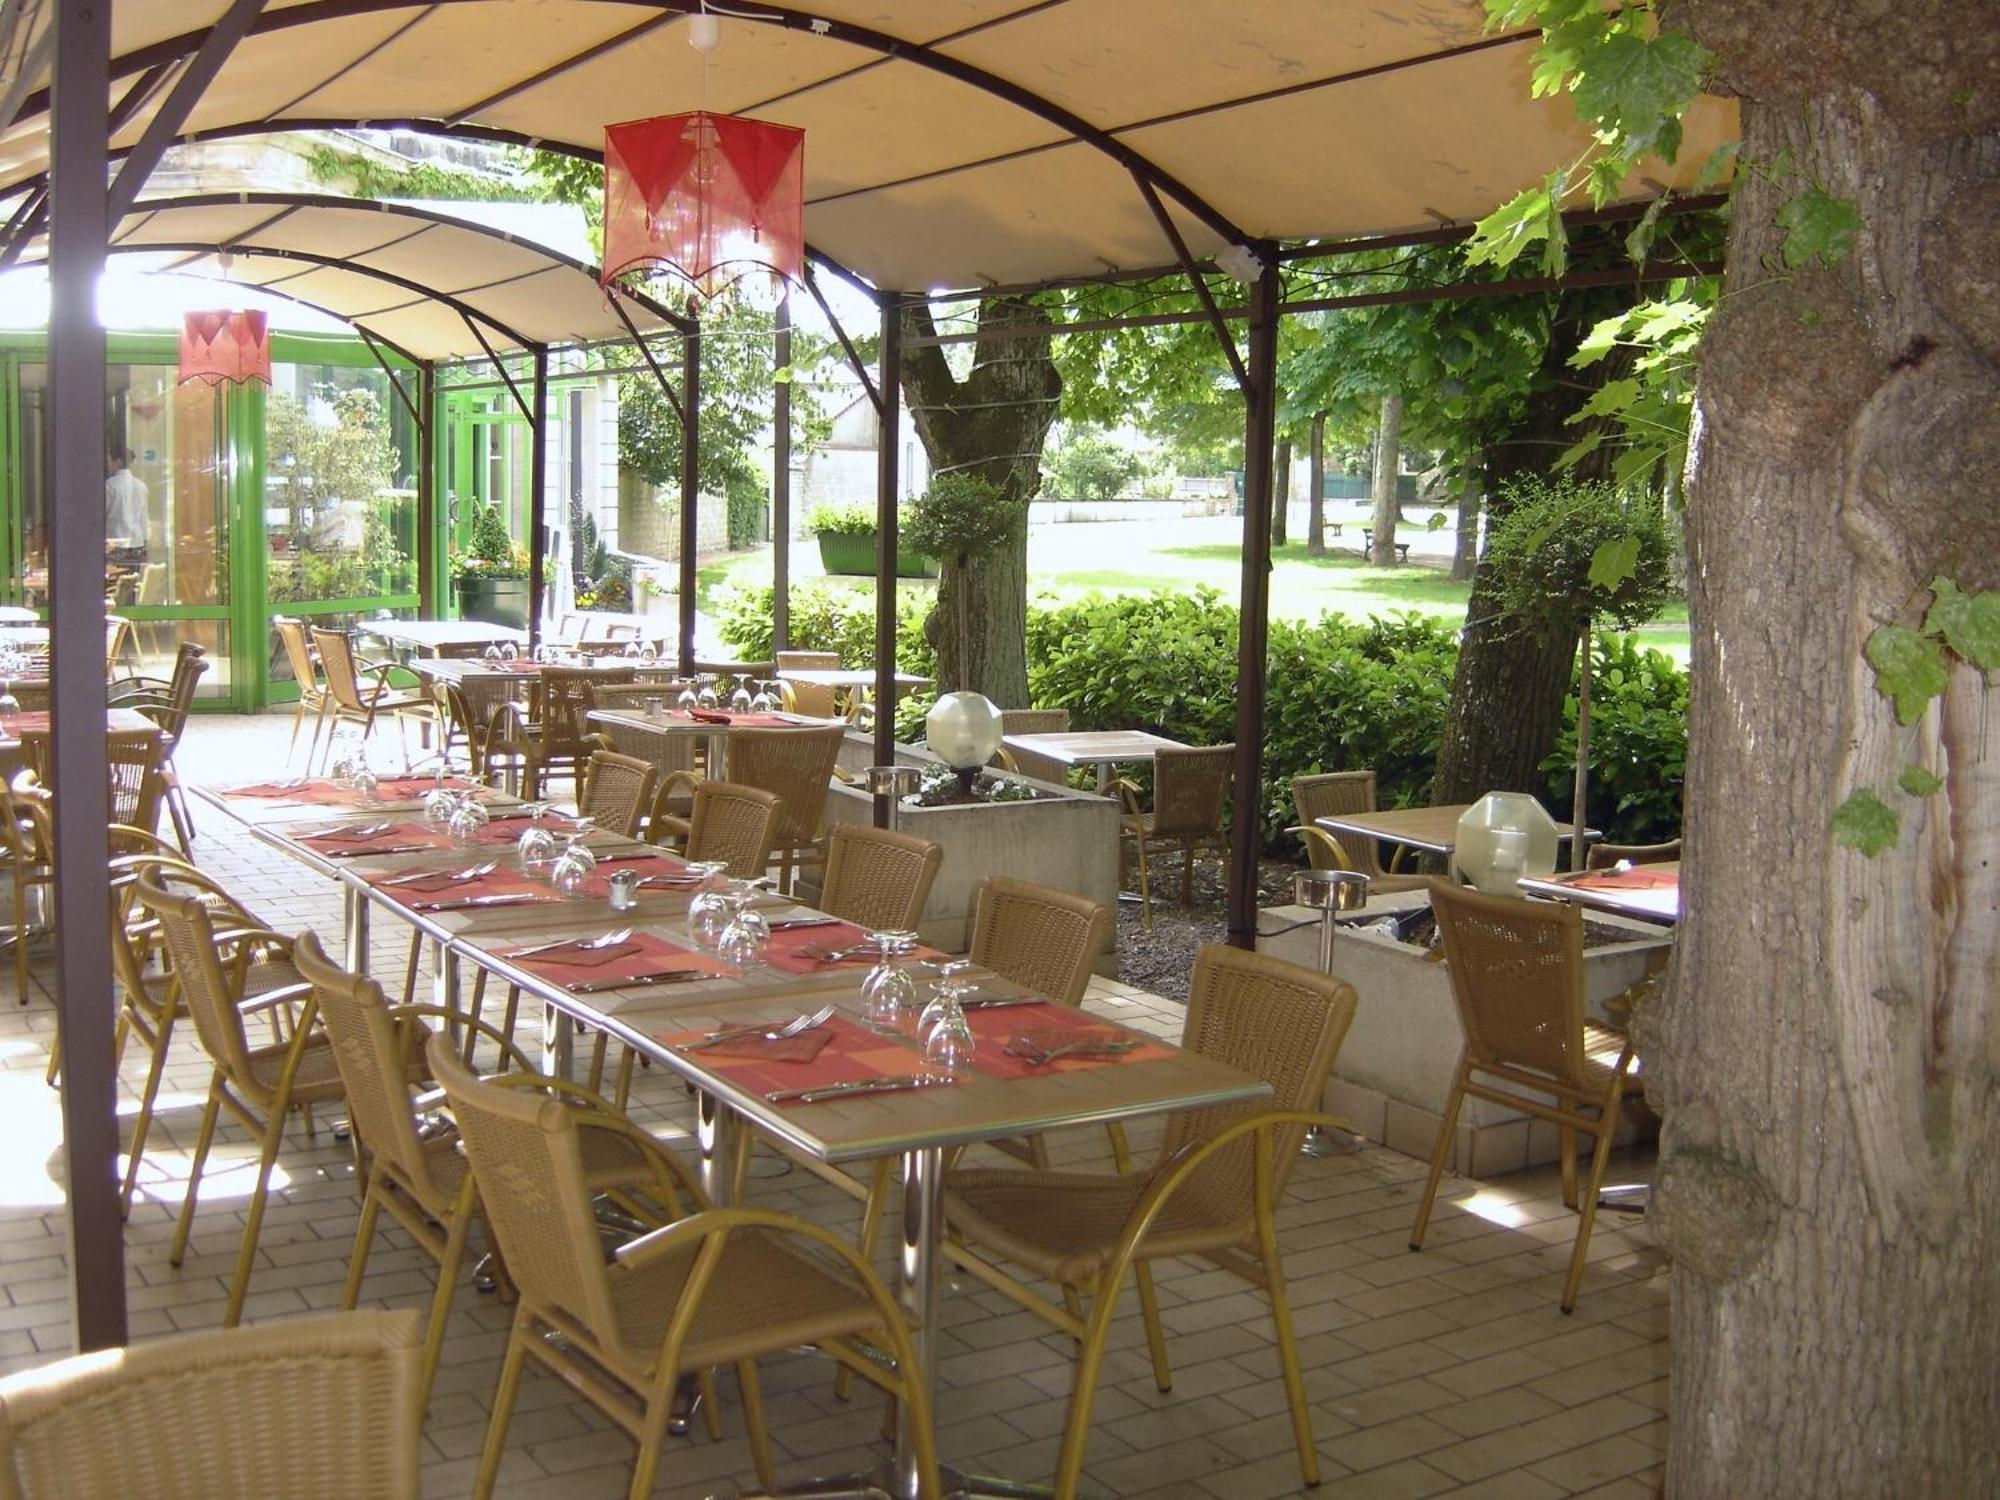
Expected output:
{"points": [[430, 286], [950, 143]]}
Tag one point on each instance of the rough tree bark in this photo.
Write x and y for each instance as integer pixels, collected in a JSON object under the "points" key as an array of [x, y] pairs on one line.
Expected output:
{"points": [[1388, 466], [993, 424], [1316, 499], [1465, 545], [1281, 493], [1507, 690], [1826, 1055]]}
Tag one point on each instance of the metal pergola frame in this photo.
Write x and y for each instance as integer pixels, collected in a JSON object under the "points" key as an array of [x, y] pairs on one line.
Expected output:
{"points": [[75, 203]]}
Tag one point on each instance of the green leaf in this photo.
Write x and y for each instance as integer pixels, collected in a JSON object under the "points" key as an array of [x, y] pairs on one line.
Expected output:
{"points": [[1818, 226], [1633, 87], [1500, 237], [1866, 823], [1609, 399], [1970, 623], [1437, 521], [1909, 668], [1720, 160], [1919, 782], [1612, 563], [1600, 341]]}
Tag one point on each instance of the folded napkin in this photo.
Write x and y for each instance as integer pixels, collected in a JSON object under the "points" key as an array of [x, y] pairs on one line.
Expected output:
{"points": [[1639, 878], [33, 720], [574, 955], [802, 1048], [708, 716]]}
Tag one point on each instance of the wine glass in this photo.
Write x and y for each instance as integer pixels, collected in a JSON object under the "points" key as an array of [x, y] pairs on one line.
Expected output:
{"points": [[9, 704], [888, 993], [709, 912], [739, 701], [491, 653], [743, 941], [440, 800], [687, 702], [948, 1039], [509, 651], [537, 844], [706, 697], [762, 704], [648, 652], [469, 818], [573, 867], [948, 988]]}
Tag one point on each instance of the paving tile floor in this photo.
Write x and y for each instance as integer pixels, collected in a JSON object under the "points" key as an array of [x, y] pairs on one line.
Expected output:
{"points": [[1445, 1372]]}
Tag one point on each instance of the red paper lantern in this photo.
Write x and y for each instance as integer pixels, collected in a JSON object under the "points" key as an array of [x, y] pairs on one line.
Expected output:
{"points": [[225, 346], [709, 197]]}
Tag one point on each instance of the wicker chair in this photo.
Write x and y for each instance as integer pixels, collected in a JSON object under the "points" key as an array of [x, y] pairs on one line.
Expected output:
{"points": [[1027, 762], [717, 1287], [310, 1408], [553, 738], [1189, 788], [473, 713], [1213, 1192], [1517, 975], [27, 843], [358, 692], [805, 697], [1604, 856], [1329, 794], [617, 792], [137, 787], [257, 1085], [732, 825], [417, 1178], [796, 765], [305, 672], [166, 704], [876, 879]]}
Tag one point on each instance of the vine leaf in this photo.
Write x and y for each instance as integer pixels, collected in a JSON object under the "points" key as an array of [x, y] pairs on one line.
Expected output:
{"points": [[1866, 823], [1818, 226], [1909, 668], [1970, 623], [1919, 782]]}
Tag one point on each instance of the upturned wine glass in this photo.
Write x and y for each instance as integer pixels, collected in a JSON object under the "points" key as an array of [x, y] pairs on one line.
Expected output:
{"points": [[888, 993]]}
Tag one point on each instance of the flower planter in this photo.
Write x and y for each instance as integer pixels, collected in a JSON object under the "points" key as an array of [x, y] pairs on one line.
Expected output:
{"points": [[854, 554], [496, 601]]}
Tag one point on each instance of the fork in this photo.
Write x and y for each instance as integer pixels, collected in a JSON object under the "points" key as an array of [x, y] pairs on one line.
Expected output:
{"points": [[470, 872], [747, 1033], [581, 945], [1035, 1057]]}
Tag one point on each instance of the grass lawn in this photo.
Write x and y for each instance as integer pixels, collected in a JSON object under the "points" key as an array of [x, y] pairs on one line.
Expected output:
{"points": [[1075, 559]]}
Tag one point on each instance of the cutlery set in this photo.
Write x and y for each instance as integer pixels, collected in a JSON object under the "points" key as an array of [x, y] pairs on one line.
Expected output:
{"points": [[762, 1031]]}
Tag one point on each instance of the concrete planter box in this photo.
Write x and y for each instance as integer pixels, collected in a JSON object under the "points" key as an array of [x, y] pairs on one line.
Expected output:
{"points": [[1396, 1065], [1068, 841]]}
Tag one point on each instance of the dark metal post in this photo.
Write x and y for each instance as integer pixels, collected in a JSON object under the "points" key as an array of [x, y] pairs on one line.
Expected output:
{"points": [[781, 482], [1260, 405], [78, 226], [890, 383], [429, 606], [538, 495], [690, 487]]}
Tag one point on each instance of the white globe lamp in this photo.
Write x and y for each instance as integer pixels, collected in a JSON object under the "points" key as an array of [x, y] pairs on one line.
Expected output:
{"points": [[963, 731]]}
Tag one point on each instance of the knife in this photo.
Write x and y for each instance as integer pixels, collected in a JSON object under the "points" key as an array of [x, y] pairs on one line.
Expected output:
{"points": [[522, 899], [894, 1083], [791, 923], [614, 859], [999, 1002], [368, 853], [640, 981]]}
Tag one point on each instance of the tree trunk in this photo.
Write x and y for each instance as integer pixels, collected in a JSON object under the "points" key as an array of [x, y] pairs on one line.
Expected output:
{"points": [[993, 424], [1465, 547], [1316, 500], [1388, 467], [1281, 493], [1825, 1059]]}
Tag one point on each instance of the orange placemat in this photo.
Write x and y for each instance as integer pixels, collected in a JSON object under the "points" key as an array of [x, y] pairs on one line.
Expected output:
{"points": [[658, 871], [724, 718], [398, 835], [1048, 1026], [803, 950], [1637, 879], [442, 890], [851, 1055], [318, 790], [643, 953]]}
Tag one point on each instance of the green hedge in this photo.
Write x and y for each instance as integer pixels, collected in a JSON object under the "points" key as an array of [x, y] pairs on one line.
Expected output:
{"points": [[1343, 694]]}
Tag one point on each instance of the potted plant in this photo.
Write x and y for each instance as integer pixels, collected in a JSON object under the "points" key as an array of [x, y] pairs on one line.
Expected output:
{"points": [[847, 543], [491, 574]]}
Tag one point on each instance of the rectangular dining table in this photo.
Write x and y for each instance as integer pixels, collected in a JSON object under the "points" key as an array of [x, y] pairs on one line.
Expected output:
{"points": [[1650, 893], [428, 635], [1103, 748], [1433, 830], [666, 738]]}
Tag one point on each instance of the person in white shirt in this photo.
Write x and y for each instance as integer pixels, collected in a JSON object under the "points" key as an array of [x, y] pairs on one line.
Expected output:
{"points": [[124, 511]]}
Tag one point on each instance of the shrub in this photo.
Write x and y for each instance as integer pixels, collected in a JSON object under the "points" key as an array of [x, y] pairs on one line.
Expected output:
{"points": [[745, 495], [1638, 743], [841, 520]]}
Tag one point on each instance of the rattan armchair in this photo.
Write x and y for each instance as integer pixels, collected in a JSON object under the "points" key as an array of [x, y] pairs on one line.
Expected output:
{"points": [[1517, 975], [1189, 788], [1329, 794], [257, 1085], [806, 697], [617, 791], [1213, 1192], [878, 879], [554, 738], [797, 766], [166, 704], [729, 824], [27, 843], [359, 692], [1027, 762], [305, 672], [718, 1287], [309, 1409], [1604, 856], [474, 712]]}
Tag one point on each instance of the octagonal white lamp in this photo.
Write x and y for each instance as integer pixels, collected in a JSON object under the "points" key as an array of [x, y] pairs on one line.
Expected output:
{"points": [[963, 731]]}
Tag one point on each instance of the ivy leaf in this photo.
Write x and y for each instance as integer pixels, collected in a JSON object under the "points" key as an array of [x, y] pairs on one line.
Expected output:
{"points": [[1613, 562], [1970, 623], [1866, 823], [1919, 782], [1818, 226], [1909, 668]]}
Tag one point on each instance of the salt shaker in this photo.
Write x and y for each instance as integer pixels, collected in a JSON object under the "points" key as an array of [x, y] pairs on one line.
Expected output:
{"points": [[624, 889]]}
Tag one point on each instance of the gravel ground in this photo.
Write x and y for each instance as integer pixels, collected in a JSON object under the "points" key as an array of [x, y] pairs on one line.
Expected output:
{"points": [[1161, 960]]}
